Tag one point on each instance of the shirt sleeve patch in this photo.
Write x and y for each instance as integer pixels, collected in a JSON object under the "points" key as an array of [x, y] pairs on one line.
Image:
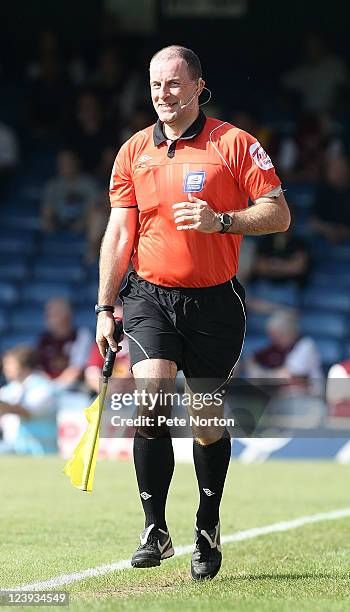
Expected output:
{"points": [[260, 157]]}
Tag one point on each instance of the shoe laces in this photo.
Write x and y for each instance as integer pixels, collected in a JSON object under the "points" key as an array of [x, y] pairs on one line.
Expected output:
{"points": [[152, 542], [204, 548]]}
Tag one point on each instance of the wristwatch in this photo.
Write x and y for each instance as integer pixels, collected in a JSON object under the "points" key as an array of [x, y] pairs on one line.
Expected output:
{"points": [[104, 308], [226, 221]]}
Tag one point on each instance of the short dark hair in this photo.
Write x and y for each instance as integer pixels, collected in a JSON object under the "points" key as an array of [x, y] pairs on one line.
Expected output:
{"points": [[190, 57]]}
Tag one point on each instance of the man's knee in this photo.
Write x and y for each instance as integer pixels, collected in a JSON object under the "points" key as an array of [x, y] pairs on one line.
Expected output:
{"points": [[205, 438], [153, 432]]}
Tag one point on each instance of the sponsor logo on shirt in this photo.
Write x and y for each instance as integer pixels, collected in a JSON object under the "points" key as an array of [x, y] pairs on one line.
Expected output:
{"points": [[194, 181], [260, 157]]}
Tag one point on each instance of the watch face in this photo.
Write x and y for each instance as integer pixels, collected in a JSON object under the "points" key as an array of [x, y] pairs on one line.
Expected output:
{"points": [[226, 219]]}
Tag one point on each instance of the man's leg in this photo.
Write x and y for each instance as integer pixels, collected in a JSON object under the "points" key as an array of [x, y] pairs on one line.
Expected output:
{"points": [[213, 328], [211, 454], [154, 463]]}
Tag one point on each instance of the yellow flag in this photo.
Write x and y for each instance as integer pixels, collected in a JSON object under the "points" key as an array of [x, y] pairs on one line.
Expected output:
{"points": [[81, 467]]}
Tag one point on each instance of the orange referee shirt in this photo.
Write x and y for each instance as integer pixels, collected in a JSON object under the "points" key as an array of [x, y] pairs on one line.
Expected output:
{"points": [[218, 163]]}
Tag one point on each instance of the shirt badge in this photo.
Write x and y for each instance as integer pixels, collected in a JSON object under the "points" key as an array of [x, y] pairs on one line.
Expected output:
{"points": [[194, 181], [260, 157]]}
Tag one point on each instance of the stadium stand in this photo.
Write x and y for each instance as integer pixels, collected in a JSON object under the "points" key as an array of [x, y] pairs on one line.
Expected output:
{"points": [[37, 266]]}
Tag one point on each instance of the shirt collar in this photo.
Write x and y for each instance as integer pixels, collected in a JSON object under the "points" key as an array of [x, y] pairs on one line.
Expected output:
{"points": [[193, 130]]}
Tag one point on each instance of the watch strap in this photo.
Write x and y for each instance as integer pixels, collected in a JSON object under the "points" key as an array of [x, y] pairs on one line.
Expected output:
{"points": [[225, 227], [103, 308]]}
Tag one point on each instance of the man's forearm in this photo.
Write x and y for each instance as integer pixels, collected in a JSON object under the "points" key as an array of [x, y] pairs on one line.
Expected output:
{"points": [[6, 408], [115, 256], [69, 376], [267, 216]]}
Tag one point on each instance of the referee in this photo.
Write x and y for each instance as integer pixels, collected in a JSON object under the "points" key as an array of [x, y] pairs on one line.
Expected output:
{"points": [[179, 207]]}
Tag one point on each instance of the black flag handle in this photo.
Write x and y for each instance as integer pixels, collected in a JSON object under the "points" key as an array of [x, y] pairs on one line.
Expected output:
{"points": [[111, 355]]}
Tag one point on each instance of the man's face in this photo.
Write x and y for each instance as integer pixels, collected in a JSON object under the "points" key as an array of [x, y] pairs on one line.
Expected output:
{"points": [[58, 318], [11, 367], [172, 86], [68, 165]]}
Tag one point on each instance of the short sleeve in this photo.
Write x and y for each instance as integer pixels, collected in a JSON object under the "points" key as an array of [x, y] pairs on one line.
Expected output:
{"points": [[40, 400], [80, 349], [121, 188], [303, 359], [253, 167]]}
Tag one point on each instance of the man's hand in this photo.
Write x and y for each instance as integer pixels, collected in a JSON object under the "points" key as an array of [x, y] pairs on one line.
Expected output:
{"points": [[197, 215], [104, 333]]}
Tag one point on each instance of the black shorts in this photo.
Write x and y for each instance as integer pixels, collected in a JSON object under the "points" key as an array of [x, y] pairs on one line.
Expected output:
{"points": [[201, 330]]}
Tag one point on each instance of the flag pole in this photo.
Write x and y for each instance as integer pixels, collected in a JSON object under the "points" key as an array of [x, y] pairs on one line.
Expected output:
{"points": [[106, 374]]}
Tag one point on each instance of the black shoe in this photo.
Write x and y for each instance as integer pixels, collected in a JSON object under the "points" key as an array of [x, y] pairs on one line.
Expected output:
{"points": [[155, 546], [206, 557]]}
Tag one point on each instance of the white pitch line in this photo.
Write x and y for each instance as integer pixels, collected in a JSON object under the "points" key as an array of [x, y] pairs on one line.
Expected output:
{"points": [[247, 534]]}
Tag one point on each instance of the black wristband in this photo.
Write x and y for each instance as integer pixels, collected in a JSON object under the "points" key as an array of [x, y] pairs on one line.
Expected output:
{"points": [[104, 308]]}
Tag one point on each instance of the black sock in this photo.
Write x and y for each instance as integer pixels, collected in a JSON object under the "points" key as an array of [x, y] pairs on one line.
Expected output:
{"points": [[154, 465], [211, 463]]}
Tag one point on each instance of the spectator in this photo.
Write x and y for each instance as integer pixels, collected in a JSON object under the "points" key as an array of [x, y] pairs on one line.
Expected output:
{"points": [[300, 156], [48, 98], [109, 80], [288, 355], [30, 395], [47, 47], [9, 155], [142, 116], [73, 202], [88, 135], [63, 348], [282, 258], [247, 122], [318, 78], [338, 389], [331, 215]]}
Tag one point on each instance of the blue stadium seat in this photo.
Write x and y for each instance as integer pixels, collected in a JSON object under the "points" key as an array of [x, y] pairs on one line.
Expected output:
{"points": [[256, 323], [336, 253], [10, 340], [59, 272], [85, 317], [41, 292], [63, 243], [340, 252], [331, 281], [8, 293], [20, 219], [286, 295], [332, 267], [64, 260], [317, 324], [331, 351], [322, 298], [93, 271], [27, 320], [3, 320], [86, 294], [13, 271], [14, 247], [300, 194], [253, 344]]}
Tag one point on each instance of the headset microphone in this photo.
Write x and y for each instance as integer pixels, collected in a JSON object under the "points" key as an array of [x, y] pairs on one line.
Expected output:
{"points": [[189, 102], [193, 97]]}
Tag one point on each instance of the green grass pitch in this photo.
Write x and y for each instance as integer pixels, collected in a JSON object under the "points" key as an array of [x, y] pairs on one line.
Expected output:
{"points": [[48, 528]]}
